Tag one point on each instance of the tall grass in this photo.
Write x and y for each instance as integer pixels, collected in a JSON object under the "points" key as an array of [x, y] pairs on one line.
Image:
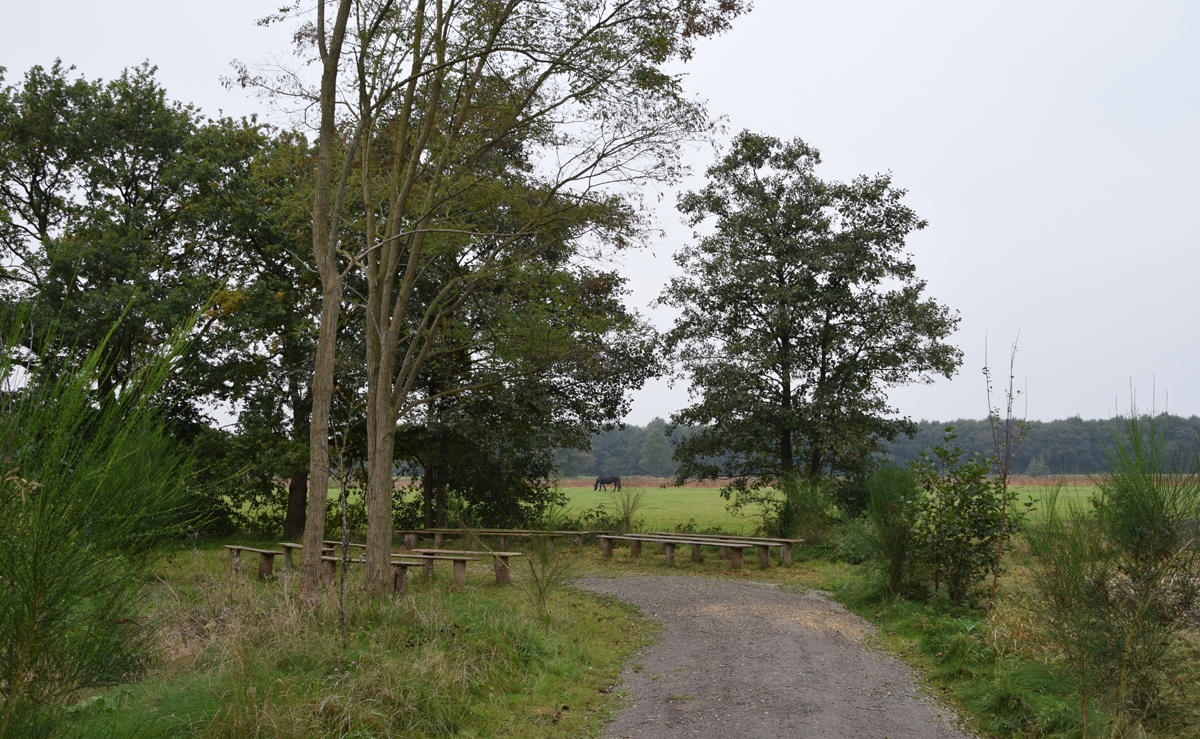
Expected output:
{"points": [[626, 502], [90, 486], [890, 493], [244, 659], [803, 510]]}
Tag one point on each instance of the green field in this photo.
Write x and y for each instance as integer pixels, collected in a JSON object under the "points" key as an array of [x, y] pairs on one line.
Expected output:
{"points": [[663, 508]]}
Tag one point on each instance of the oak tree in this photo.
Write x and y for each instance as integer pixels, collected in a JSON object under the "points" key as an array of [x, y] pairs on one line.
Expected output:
{"points": [[799, 309]]}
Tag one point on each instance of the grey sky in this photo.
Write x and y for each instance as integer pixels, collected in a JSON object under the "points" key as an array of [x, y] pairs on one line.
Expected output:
{"points": [[1051, 145]]}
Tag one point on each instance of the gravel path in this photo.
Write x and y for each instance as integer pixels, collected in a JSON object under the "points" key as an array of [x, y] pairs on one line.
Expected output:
{"points": [[747, 660]]}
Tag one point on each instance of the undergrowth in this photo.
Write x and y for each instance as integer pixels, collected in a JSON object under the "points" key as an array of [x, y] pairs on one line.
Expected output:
{"points": [[242, 659]]}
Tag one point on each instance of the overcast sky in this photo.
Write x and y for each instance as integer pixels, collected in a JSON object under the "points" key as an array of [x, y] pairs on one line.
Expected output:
{"points": [[1052, 146]]}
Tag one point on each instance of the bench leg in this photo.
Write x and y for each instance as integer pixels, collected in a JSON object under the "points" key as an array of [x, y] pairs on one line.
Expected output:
{"points": [[577, 541], [502, 573], [439, 540], [723, 552], [266, 565], [606, 547], [235, 560], [504, 543], [287, 559], [549, 541], [735, 558], [697, 556], [669, 551], [764, 556], [327, 573], [460, 572], [635, 549], [410, 541], [399, 577], [785, 553], [428, 567]]}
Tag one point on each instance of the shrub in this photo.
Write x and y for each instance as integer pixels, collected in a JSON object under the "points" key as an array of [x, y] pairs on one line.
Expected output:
{"points": [[956, 523], [90, 487], [1118, 581]]}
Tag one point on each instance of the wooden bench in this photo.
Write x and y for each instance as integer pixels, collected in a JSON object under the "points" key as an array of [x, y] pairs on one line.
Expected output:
{"points": [[499, 564], [329, 568], [266, 559], [785, 549], [288, 547], [412, 537], [667, 546], [336, 544], [400, 568]]}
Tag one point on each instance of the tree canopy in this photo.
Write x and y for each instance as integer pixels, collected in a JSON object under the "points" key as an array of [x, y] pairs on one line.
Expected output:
{"points": [[799, 309]]}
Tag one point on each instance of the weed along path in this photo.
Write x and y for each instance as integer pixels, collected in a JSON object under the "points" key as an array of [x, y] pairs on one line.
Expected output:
{"points": [[749, 660]]}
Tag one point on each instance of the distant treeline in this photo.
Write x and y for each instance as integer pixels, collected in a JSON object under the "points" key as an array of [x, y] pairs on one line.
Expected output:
{"points": [[1067, 446], [631, 451]]}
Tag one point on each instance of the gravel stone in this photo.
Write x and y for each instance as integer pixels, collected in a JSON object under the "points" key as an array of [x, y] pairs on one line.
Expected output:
{"points": [[748, 660]]}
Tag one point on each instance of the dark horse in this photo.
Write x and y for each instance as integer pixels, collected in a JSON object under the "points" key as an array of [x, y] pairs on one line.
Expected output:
{"points": [[603, 480]]}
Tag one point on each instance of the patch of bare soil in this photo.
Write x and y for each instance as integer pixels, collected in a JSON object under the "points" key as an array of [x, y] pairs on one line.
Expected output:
{"points": [[750, 660]]}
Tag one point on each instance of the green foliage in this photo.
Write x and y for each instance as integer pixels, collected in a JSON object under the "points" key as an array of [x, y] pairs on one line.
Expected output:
{"points": [[956, 524], [623, 451], [893, 493], [656, 451], [1118, 582], [1037, 467], [802, 511], [796, 315], [90, 487]]}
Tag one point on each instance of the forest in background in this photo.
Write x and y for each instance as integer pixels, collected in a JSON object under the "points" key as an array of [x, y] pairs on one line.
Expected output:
{"points": [[1067, 446]]}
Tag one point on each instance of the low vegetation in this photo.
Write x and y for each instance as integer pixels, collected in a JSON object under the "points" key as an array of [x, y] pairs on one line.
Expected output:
{"points": [[241, 658]]}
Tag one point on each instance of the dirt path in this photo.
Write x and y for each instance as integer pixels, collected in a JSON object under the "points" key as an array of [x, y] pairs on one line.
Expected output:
{"points": [[748, 660]]}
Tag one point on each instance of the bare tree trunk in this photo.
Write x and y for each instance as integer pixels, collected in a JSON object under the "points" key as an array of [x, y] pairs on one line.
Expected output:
{"points": [[325, 219]]}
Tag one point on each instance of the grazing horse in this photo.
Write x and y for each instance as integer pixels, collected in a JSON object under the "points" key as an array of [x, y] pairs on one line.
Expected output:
{"points": [[603, 480]]}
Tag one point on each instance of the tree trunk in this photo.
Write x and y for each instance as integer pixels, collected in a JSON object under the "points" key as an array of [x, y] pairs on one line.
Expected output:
{"points": [[324, 234], [297, 506], [428, 482], [443, 477], [318, 440], [380, 485], [293, 523]]}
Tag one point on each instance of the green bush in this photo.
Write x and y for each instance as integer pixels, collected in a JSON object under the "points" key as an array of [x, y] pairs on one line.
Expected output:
{"points": [[90, 487], [956, 523]]}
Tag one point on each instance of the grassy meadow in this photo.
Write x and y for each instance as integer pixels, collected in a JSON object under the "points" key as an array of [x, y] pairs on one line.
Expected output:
{"points": [[665, 508]]}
